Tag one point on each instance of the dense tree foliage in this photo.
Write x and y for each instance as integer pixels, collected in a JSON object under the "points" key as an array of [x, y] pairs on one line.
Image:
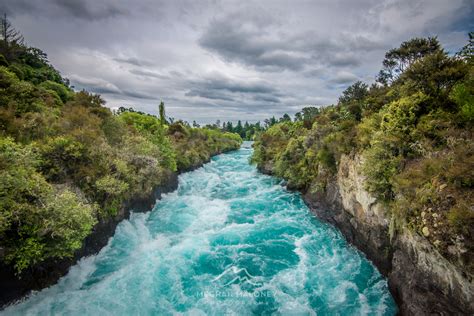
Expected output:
{"points": [[247, 130], [414, 133], [67, 162]]}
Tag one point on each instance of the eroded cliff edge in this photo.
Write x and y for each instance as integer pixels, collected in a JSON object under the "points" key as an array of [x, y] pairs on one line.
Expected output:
{"points": [[421, 280]]}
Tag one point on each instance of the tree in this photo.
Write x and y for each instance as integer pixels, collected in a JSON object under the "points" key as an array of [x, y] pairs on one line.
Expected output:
{"points": [[9, 34], [10, 37], [435, 75], [352, 98], [307, 115], [285, 118], [270, 122], [397, 60], [298, 117], [467, 52], [238, 128], [162, 113]]}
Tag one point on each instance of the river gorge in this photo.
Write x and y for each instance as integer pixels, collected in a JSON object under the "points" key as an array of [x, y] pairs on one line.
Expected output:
{"points": [[229, 240]]}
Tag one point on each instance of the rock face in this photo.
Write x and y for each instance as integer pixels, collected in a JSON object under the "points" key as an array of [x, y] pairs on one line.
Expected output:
{"points": [[48, 273], [421, 280]]}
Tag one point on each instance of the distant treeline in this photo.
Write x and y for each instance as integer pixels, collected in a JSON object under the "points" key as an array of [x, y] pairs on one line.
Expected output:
{"points": [[248, 131]]}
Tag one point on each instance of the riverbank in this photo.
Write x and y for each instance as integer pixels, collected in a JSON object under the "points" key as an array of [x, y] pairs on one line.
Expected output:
{"points": [[228, 241], [13, 288], [421, 280]]}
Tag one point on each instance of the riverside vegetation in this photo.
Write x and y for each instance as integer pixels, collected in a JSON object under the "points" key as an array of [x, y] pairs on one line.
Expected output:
{"points": [[414, 132], [67, 162]]}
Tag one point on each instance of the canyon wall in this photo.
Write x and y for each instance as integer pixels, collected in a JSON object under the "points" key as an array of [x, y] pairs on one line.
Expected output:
{"points": [[422, 281]]}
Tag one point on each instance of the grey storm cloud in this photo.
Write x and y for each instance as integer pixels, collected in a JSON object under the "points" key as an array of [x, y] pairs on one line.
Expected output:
{"points": [[343, 77], [244, 38], [228, 60], [146, 73], [209, 94], [101, 86], [88, 10], [134, 61], [218, 87]]}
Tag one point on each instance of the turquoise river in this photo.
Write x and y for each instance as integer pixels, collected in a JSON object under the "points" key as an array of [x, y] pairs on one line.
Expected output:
{"points": [[229, 241]]}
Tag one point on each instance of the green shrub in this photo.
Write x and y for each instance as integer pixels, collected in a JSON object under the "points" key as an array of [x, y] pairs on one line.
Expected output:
{"points": [[461, 218], [464, 97], [63, 92], [36, 222]]}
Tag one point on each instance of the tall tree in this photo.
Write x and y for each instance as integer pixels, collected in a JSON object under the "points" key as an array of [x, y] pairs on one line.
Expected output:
{"points": [[353, 97], [285, 118], [238, 128], [9, 34], [397, 60], [10, 37], [467, 51], [162, 113], [307, 115]]}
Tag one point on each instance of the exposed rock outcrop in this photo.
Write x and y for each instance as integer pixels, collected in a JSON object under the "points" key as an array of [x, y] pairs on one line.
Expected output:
{"points": [[422, 281]]}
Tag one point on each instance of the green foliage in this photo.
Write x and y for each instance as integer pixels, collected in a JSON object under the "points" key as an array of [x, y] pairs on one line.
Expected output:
{"points": [[195, 145], [463, 95], [435, 75], [63, 92], [110, 192], [55, 230], [291, 164], [467, 52], [3, 61], [162, 113], [111, 186], [353, 98], [380, 166], [60, 156], [414, 135], [461, 218], [307, 115], [152, 129], [17, 71], [67, 162], [247, 131], [397, 60], [36, 222], [390, 143]]}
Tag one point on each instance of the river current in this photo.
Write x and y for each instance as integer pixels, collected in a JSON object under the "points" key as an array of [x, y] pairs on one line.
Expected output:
{"points": [[228, 241]]}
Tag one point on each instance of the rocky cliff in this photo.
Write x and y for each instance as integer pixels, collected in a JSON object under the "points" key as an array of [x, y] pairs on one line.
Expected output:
{"points": [[422, 281]]}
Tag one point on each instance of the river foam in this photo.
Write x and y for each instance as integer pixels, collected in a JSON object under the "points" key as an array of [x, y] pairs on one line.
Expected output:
{"points": [[228, 241]]}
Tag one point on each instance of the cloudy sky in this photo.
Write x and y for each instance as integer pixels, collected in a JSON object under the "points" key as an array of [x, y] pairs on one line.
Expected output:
{"points": [[228, 60]]}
